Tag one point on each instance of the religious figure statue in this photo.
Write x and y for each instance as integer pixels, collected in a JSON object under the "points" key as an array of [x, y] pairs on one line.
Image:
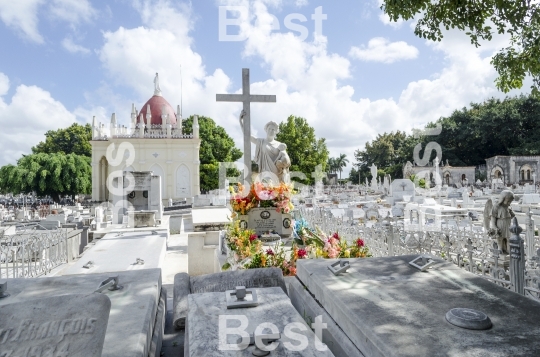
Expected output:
{"points": [[497, 219], [270, 154], [157, 90]]}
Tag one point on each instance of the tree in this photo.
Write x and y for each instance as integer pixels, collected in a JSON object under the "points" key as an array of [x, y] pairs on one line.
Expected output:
{"points": [[52, 174], [354, 176], [304, 149], [216, 146], [341, 162], [74, 139], [520, 19], [389, 152]]}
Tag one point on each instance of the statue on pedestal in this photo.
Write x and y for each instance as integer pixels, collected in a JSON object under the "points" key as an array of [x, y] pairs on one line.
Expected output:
{"points": [[497, 219]]}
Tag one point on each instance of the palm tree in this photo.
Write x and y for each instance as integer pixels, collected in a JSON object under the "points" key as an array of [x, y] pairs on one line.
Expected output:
{"points": [[341, 162], [331, 165]]}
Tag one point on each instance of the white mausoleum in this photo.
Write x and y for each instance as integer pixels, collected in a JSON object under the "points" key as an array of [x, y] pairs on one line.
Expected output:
{"points": [[155, 134]]}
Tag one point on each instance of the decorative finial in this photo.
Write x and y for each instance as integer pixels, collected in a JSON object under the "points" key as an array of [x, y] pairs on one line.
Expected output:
{"points": [[157, 90]]}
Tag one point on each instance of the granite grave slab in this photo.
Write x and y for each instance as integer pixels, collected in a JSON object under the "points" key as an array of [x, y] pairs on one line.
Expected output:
{"points": [[389, 308]]}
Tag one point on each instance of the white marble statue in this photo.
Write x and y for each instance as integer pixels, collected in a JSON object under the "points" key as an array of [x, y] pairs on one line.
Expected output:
{"points": [[497, 219], [270, 154]]}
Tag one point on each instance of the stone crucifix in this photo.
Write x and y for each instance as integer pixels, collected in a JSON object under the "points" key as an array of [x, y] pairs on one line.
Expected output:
{"points": [[246, 98]]}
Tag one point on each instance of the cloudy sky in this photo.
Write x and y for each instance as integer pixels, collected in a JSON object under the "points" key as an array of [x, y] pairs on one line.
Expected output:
{"points": [[341, 65]]}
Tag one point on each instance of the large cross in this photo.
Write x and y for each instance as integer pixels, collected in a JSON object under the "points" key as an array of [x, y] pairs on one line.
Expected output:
{"points": [[246, 98]]}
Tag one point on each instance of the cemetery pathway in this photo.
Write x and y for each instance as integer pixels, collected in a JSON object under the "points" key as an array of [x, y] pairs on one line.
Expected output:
{"points": [[175, 262]]}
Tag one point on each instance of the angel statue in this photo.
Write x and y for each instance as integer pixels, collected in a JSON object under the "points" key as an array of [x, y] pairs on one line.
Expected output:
{"points": [[497, 219]]}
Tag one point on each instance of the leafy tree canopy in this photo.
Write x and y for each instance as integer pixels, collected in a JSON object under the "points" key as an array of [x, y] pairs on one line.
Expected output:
{"points": [[468, 137], [74, 139], [480, 20], [48, 174], [304, 149], [216, 146]]}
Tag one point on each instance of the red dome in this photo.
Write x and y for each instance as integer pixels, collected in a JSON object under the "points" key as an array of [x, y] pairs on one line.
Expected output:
{"points": [[156, 103]]}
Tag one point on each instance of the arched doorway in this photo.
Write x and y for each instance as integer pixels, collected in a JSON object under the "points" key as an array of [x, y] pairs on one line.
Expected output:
{"points": [[157, 170], [183, 182]]}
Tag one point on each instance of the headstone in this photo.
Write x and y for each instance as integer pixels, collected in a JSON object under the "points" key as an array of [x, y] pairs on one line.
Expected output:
{"points": [[386, 307], [64, 325], [401, 188], [263, 220]]}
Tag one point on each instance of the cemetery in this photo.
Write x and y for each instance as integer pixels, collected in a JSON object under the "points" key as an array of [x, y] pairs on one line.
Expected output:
{"points": [[150, 234], [387, 268]]}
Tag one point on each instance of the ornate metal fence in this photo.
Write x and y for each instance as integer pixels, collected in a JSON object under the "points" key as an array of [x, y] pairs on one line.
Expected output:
{"points": [[31, 252], [469, 247]]}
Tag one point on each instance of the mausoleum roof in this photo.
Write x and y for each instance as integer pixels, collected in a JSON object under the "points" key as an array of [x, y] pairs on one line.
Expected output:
{"points": [[157, 102]]}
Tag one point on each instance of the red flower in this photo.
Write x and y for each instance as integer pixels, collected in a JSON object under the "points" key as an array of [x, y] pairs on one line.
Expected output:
{"points": [[269, 252], [253, 237], [335, 236], [301, 253], [359, 242]]}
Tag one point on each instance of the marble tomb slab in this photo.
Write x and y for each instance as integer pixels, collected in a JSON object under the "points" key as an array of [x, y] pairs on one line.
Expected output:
{"points": [[206, 310], [66, 325], [388, 308], [120, 251], [133, 308]]}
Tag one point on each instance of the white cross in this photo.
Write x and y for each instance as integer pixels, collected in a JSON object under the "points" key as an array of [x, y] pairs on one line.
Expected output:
{"points": [[246, 98]]}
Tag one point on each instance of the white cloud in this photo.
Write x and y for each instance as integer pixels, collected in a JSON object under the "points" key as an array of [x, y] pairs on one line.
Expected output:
{"points": [[72, 47], [380, 49], [31, 112], [385, 19], [305, 76], [21, 15], [72, 11]]}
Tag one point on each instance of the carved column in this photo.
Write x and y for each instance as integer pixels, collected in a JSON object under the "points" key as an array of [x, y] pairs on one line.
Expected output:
{"points": [[517, 258]]}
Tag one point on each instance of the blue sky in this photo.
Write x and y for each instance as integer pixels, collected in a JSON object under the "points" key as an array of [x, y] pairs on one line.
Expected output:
{"points": [[69, 60]]}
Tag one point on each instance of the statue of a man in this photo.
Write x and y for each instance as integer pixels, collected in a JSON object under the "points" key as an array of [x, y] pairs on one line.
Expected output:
{"points": [[270, 154], [498, 218]]}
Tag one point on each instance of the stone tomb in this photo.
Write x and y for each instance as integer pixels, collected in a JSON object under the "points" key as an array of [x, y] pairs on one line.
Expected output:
{"points": [[137, 311], [207, 310], [220, 282], [140, 199], [122, 251], [263, 220], [386, 307], [66, 325]]}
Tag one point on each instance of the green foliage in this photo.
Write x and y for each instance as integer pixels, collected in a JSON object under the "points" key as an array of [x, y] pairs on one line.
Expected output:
{"points": [[353, 176], [519, 19], [389, 151], [335, 164], [304, 149], [74, 139], [216, 146], [48, 174], [468, 137]]}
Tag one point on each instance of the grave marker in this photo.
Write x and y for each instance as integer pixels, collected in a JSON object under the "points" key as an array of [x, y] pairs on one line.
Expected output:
{"points": [[65, 325]]}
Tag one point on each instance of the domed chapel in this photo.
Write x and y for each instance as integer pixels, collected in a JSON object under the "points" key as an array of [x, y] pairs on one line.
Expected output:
{"points": [[159, 144]]}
